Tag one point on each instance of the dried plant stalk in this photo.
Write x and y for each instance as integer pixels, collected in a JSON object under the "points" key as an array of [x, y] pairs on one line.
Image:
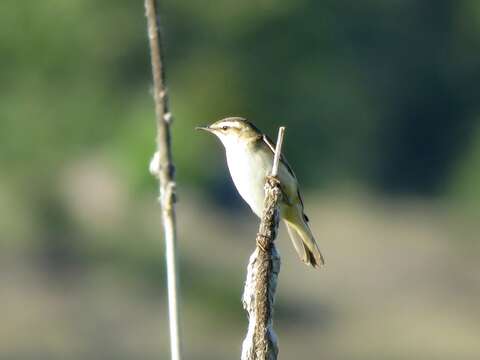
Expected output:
{"points": [[262, 274], [162, 167]]}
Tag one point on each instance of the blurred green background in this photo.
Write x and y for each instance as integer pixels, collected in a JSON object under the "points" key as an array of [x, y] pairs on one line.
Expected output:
{"points": [[381, 103]]}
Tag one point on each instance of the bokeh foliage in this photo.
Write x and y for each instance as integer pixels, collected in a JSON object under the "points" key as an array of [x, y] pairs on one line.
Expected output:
{"points": [[378, 94]]}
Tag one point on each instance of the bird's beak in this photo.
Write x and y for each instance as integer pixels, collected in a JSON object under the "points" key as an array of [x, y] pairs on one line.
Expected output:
{"points": [[205, 128]]}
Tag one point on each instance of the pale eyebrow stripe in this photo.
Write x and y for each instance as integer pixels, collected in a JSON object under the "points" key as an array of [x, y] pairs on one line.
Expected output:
{"points": [[229, 123]]}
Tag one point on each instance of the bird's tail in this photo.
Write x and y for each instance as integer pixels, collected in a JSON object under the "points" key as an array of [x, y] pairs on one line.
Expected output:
{"points": [[304, 243]]}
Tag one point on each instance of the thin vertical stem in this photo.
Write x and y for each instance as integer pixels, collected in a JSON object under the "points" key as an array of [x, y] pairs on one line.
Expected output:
{"points": [[278, 151], [162, 167]]}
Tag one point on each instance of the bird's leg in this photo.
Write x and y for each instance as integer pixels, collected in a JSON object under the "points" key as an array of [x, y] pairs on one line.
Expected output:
{"points": [[275, 181], [263, 242]]}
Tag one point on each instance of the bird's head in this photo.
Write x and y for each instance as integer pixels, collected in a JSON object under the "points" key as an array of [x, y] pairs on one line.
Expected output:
{"points": [[233, 130]]}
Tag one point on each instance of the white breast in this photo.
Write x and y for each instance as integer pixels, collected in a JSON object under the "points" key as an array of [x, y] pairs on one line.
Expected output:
{"points": [[248, 170]]}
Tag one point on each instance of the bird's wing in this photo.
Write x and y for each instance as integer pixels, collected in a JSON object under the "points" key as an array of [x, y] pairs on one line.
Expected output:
{"points": [[271, 145]]}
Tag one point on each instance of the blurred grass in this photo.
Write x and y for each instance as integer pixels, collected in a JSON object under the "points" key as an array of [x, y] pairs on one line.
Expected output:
{"points": [[398, 284]]}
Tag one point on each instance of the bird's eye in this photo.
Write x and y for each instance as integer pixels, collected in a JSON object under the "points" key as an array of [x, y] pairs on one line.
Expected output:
{"points": [[224, 127]]}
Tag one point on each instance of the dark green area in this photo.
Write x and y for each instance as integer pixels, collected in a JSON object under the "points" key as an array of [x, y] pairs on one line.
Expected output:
{"points": [[379, 95]]}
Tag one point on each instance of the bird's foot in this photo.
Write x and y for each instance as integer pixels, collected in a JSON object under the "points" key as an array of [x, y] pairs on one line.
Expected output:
{"points": [[263, 242], [273, 180]]}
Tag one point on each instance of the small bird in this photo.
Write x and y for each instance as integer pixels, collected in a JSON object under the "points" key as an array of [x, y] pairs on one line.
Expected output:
{"points": [[250, 158]]}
